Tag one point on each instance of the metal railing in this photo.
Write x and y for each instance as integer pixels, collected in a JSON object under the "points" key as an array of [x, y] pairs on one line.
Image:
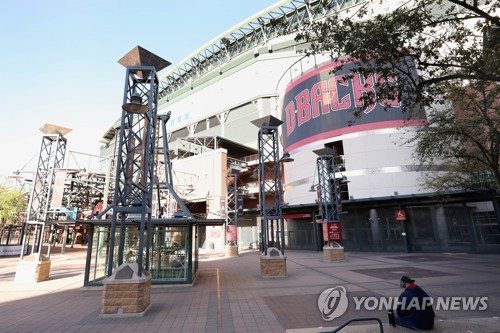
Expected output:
{"points": [[358, 319]]}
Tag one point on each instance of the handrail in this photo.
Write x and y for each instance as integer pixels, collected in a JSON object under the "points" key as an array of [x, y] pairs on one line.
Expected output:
{"points": [[357, 319]]}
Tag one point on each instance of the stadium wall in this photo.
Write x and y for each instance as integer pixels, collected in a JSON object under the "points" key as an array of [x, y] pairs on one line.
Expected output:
{"points": [[383, 177]]}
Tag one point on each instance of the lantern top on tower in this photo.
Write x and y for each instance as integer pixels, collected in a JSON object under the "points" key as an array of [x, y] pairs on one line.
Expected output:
{"points": [[54, 129], [267, 121], [323, 151], [139, 56]]}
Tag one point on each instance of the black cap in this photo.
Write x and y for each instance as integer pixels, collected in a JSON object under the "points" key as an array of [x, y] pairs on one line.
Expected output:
{"points": [[407, 279]]}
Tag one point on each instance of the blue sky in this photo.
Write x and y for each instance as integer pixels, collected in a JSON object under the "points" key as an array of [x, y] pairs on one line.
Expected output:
{"points": [[59, 62]]}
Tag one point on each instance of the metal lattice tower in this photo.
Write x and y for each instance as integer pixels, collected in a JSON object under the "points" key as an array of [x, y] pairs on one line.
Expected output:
{"points": [[270, 188], [52, 152], [232, 201], [328, 196], [136, 152], [51, 157]]}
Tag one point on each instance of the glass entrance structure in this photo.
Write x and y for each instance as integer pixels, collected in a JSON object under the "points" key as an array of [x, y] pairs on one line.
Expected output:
{"points": [[172, 254]]}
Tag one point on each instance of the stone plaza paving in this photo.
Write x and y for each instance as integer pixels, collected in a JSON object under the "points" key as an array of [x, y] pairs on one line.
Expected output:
{"points": [[230, 295]]}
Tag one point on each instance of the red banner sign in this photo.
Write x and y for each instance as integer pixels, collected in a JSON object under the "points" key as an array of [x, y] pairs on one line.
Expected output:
{"points": [[318, 105], [332, 231], [231, 233], [400, 215]]}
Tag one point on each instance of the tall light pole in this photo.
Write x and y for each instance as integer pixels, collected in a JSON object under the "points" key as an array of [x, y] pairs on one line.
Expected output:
{"points": [[135, 153], [328, 197], [270, 186], [328, 202], [232, 211], [50, 158]]}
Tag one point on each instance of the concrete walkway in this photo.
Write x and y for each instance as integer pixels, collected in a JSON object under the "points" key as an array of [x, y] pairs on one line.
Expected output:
{"points": [[230, 295]]}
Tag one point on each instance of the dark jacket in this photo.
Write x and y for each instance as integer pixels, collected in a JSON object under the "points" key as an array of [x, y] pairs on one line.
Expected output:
{"points": [[418, 312]]}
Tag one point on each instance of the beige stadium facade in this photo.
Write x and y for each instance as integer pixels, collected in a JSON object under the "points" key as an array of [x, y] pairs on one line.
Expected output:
{"points": [[249, 72]]}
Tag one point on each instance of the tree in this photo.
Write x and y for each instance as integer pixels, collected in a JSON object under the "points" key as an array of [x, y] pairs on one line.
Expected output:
{"points": [[412, 49], [12, 203], [426, 54], [463, 139]]}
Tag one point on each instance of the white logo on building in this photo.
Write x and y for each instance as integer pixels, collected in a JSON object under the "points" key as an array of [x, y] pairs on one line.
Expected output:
{"points": [[332, 303]]}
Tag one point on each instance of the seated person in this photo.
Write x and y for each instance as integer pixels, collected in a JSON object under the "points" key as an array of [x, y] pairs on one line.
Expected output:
{"points": [[414, 307]]}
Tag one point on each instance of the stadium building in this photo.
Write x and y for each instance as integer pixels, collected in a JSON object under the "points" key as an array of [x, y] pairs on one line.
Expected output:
{"points": [[250, 72]]}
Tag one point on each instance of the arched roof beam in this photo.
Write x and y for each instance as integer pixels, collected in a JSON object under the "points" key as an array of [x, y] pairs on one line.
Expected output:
{"points": [[258, 29]]}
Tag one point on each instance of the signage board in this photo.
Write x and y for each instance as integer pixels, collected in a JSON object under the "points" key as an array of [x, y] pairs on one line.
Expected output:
{"points": [[332, 231], [319, 105], [400, 215], [12, 250], [231, 233]]}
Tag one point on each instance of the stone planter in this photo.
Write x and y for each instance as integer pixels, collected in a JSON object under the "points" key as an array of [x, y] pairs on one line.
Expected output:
{"points": [[273, 264], [33, 268], [231, 250], [125, 293], [333, 253]]}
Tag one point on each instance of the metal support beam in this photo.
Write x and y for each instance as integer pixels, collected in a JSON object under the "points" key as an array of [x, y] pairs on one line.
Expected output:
{"points": [[168, 168]]}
